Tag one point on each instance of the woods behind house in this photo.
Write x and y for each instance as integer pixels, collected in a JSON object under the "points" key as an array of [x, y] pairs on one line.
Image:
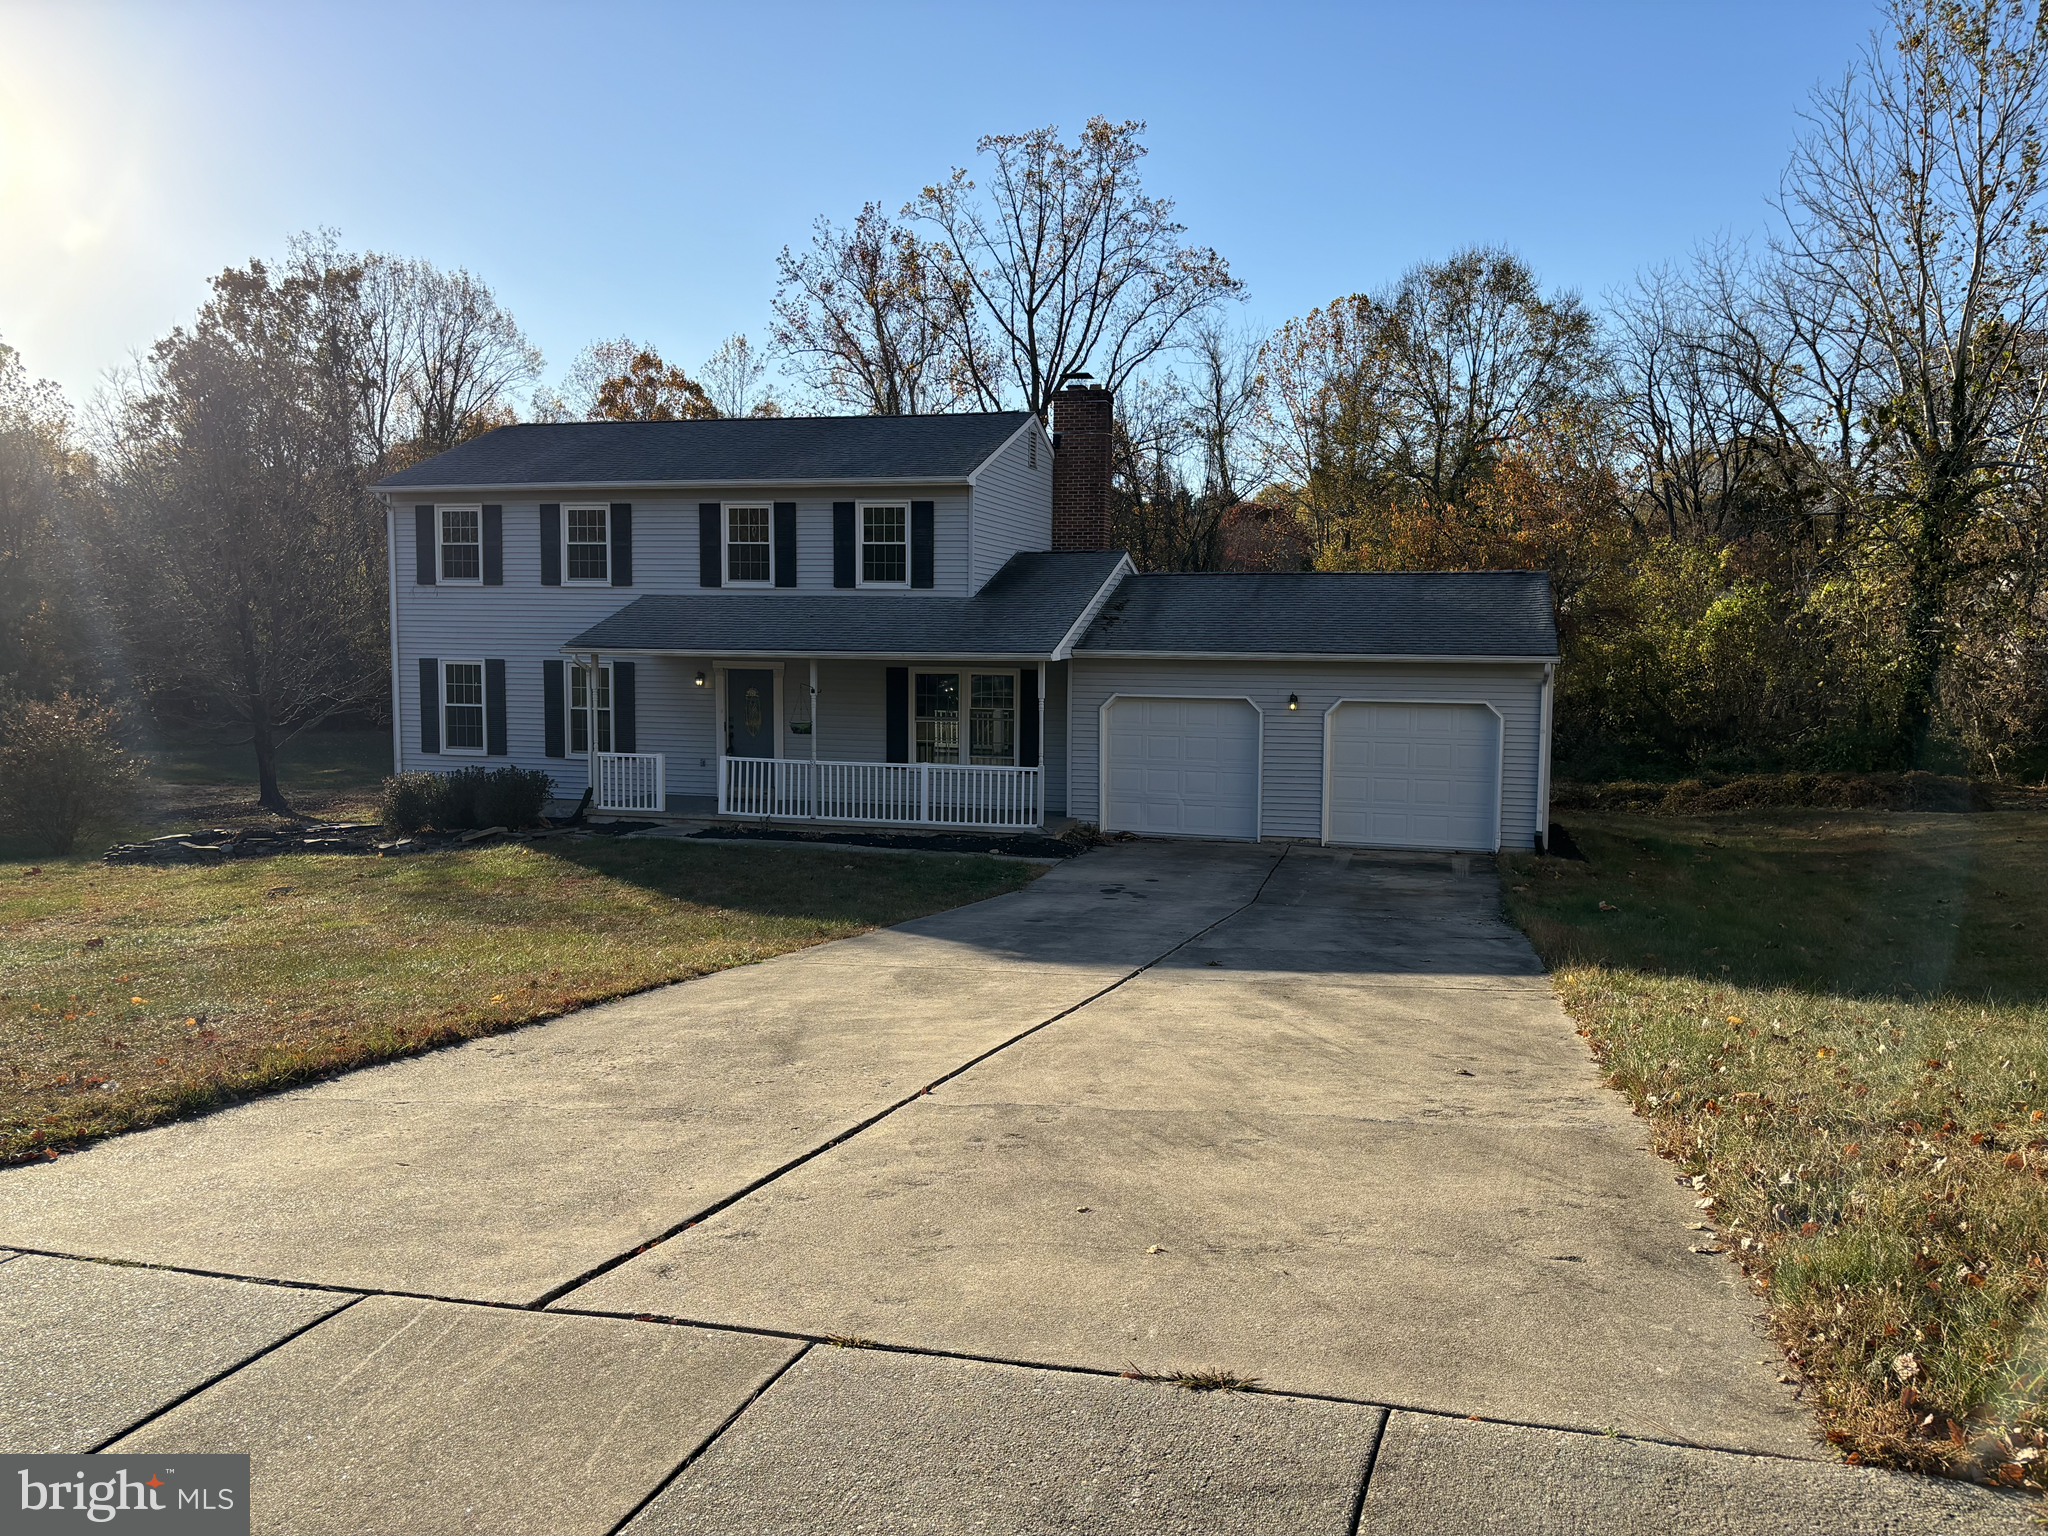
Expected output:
{"points": [[1790, 493]]}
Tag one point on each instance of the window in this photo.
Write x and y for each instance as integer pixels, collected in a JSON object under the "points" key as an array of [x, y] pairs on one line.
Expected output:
{"points": [[579, 708], [462, 706], [884, 556], [747, 554], [991, 717], [589, 547], [938, 717], [462, 544]]}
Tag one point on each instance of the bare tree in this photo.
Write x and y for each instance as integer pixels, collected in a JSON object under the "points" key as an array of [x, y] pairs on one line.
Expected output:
{"points": [[732, 378], [245, 558], [1913, 268], [44, 642], [466, 356], [866, 318], [1063, 264]]}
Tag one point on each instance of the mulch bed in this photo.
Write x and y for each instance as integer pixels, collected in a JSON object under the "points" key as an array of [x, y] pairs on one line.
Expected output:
{"points": [[216, 845]]}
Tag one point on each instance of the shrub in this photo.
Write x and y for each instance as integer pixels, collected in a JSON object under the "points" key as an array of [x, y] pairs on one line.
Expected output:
{"points": [[468, 797], [60, 767]]}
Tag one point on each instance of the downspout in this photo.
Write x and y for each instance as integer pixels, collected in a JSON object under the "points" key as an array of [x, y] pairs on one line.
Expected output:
{"points": [[1543, 760], [397, 672]]}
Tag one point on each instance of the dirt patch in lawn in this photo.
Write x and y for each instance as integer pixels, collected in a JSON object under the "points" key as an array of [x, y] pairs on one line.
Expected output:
{"points": [[1837, 1027], [134, 994]]}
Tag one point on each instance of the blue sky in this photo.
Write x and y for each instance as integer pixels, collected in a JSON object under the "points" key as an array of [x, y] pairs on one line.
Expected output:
{"points": [[636, 168]]}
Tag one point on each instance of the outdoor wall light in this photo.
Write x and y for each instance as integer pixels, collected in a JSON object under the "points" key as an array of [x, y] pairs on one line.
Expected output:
{"points": [[700, 679], [1293, 701]]}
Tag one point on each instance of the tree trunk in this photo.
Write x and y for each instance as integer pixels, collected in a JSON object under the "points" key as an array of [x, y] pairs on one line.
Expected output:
{"points": [[1932, 572], [268, 795]]}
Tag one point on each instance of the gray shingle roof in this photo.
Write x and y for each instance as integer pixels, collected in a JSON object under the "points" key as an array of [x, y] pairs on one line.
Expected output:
{"points": [[1329, 613], [1025, 610], [782, 450]]}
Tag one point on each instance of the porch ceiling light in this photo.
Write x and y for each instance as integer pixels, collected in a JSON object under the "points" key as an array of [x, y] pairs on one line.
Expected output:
{"points": [[1293, 701], [700, 679]]}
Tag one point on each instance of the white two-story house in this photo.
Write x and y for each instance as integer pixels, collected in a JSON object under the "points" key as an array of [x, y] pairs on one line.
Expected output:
{"points": [[916, 620]]}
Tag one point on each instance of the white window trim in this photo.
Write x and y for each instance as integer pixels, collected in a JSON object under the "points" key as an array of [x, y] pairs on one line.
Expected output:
{"points": [[725, 512], [441, 546], [483, 707], [860, 545], [592, 709], [966, 676], [587, 581]]}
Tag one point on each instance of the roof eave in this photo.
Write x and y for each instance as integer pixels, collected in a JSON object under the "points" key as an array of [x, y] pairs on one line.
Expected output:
{"points": [[1175, 654], [720, 653], [467, 487]]}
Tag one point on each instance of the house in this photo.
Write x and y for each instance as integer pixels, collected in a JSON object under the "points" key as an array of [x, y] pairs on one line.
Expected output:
{"points": [[917, 620]]}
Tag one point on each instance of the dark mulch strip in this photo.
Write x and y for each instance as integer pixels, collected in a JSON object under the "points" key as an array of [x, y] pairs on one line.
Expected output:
{"points": [[1714, 795], [1022, 845]]}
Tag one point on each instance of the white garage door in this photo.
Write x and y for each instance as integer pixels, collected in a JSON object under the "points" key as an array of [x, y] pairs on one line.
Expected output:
{"points": [[1414, 776], [1184, 767]]}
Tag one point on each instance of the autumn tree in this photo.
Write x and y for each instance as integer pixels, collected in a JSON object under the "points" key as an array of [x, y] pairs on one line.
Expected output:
{"points": [[648, 389], [45, 485], [1913, 272], [243, 558], [867, 318]]}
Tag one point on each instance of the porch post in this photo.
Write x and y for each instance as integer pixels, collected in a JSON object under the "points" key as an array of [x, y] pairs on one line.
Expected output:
{"points": [[1039, 807], [590, 722], [814, 709]]}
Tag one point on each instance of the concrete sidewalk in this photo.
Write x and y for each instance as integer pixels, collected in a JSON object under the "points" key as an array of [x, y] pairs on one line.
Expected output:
{"points": [[1315, 1119]]}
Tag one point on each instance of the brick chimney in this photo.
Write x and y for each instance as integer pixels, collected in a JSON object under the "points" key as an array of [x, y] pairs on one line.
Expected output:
{"points": [[1081, 421]]}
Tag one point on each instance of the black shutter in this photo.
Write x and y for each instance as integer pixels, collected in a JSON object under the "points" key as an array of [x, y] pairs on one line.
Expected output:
{"points": [[430, 704], [785, 543], [554, 702], [551, 543], [896, 693], [922, 538], [710, 572], [625, 725], [622, 544], [1027, 717], [423, 546], [494, 709], [843, 551], [494, 546]]}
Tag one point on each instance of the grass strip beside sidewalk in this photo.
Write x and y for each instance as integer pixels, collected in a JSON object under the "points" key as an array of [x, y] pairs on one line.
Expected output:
{"points": [[1836, 1024], [131, 995]]}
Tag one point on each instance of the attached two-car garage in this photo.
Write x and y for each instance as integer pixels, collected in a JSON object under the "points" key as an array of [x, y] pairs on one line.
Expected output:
{"points": [[1396, 774], [1368, 709]]}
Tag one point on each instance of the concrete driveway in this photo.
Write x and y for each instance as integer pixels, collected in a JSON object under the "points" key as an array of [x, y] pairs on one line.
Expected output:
{"points": [[1297, 1115]]}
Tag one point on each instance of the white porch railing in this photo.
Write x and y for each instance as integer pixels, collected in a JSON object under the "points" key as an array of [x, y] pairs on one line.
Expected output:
{"points": [[938, 794], [631, 781]]}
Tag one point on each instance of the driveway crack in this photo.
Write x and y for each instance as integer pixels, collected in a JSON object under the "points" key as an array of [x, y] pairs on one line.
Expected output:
{"points": [[704, 1213]]}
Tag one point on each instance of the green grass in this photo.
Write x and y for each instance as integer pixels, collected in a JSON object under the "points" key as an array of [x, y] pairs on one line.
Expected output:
{"points": [[133, 994], [312, 763], [1837, 1024]]}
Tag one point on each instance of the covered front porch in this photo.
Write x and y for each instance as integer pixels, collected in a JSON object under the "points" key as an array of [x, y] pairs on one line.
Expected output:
{"points": [[933, 743]]}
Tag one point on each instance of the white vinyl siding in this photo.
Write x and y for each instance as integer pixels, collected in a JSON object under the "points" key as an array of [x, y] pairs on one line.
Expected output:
{"points": [[1291, 771], [1012, 505]]}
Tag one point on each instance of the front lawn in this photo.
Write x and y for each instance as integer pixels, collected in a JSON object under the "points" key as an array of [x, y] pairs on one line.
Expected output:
{"points": [[133, 994], [1837, 1026]]}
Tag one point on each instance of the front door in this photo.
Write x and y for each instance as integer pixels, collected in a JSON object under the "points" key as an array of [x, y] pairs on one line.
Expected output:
{"points": [[750, 713]]}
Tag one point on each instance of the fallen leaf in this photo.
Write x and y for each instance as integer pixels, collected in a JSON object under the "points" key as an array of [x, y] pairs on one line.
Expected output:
{"points": [[1608, 906], [1807, 1229], [1906, 1366], [1736, 1019], [1155, 1248]]}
